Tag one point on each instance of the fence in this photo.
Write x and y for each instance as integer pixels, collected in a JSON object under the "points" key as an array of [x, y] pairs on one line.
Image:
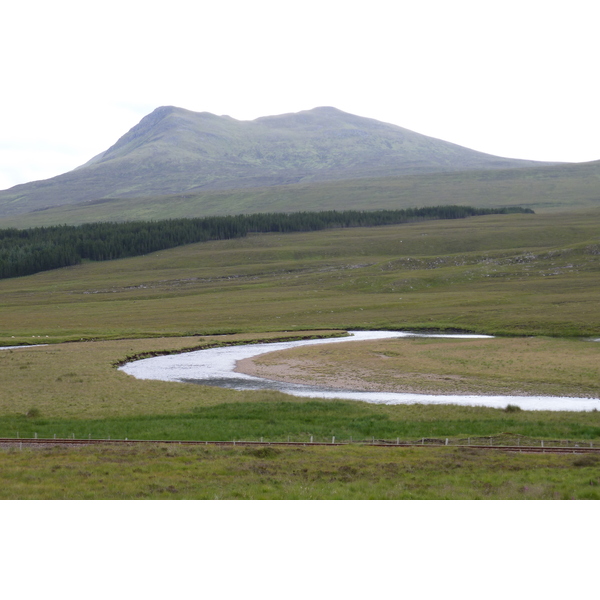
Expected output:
{"points": [[505, 440]]}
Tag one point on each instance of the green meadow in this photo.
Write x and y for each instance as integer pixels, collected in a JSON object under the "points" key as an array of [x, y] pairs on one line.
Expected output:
{"points": [[533, 280]]}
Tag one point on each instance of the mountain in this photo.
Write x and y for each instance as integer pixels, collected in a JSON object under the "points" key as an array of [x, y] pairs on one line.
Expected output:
{"points": [[177, 151]]}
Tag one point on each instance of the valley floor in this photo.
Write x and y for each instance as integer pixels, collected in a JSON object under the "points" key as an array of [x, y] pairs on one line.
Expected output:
{"points": [[533, 277]]}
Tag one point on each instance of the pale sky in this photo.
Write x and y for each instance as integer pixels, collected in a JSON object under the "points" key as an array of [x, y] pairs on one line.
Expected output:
{"points": [[515, 78]]}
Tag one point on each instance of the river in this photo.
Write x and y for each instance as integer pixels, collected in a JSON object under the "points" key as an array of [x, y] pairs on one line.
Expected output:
{"points": [[216, 367]]}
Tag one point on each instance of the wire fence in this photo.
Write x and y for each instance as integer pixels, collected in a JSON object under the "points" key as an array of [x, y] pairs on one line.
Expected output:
{"points": [[498, 441]]}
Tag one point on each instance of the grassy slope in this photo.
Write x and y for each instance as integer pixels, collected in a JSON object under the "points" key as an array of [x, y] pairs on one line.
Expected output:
{"points": [[547, 189], [517, 274], [513, 273]]}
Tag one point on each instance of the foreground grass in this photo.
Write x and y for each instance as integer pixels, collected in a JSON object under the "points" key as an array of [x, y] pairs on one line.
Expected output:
{"points": [[179, 472]]}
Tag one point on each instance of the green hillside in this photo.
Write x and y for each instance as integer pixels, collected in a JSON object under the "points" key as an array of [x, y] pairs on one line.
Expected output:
{"points": [[175, 151]]}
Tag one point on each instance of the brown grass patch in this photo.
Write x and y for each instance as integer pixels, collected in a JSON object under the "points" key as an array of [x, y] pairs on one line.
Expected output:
{"points": [[517, 366]]}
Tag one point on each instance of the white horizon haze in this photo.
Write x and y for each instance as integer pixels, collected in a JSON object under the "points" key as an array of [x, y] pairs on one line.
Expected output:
{"points": [[513, 79]]}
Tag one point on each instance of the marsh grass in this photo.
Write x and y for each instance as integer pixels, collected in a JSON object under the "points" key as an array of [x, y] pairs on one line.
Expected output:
{"points": [[179, 472]]}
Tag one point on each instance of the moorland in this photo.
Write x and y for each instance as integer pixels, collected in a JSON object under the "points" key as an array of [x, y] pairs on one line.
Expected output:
{"points": [[513, 276], [531, 280]]}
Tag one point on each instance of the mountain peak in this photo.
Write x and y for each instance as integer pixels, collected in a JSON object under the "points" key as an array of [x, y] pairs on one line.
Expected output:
{"points": [[173, 150], [326, 110], [139, 131]]}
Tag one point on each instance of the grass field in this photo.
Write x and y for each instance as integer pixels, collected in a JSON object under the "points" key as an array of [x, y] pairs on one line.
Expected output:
{"points": [[523, 275], [506, 274], [178, 472]]}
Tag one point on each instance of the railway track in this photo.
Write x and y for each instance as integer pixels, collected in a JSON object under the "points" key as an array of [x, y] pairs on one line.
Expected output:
{"points": [[45, 442]]}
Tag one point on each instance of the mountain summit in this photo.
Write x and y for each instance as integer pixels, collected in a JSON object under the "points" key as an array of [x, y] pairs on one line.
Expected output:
{"points": [[174, 151]]}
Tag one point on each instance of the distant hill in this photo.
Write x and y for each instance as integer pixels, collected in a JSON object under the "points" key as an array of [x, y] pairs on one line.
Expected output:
{"points": [[544, 189], [176, 151]]}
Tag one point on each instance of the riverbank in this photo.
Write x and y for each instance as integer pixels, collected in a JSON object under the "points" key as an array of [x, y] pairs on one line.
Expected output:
{"points": [[486, 367], [277, 367]]}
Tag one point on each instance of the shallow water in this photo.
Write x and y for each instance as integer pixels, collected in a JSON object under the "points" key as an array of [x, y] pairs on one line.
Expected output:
{"points": [[216, 367], [14, 347]]}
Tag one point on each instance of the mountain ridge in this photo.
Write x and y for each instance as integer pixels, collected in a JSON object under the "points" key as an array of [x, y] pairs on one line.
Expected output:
{"points": [[173, 150]]}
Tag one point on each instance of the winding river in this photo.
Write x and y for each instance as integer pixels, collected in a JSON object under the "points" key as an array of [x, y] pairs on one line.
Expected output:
{"points": [[216, 367]]}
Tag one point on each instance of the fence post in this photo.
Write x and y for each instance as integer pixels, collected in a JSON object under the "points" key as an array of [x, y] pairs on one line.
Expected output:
{"points": [[311, 439], [333, 440], [446, 441], [397, 440]]}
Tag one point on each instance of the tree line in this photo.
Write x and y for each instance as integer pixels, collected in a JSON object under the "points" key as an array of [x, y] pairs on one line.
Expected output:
{"points": [[28, 251]]}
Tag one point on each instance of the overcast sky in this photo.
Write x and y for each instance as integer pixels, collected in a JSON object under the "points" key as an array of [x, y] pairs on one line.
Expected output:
{"points": [[512, 78]]}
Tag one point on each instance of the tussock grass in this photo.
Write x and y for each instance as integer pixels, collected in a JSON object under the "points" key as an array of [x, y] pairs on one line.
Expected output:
{"points": [[168, 472], [80, 380]]}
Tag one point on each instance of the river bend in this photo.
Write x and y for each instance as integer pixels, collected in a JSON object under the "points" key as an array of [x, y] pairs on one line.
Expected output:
{"points": [[216, 367]]}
